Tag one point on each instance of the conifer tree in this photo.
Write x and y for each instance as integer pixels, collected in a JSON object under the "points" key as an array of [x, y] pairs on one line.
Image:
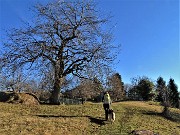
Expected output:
{"points": [[116, 86], [173, 93], [160, 88], [163, 96]]}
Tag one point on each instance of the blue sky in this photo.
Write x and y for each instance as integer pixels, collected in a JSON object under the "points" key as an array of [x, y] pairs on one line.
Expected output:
{"points": [[148, 31]]}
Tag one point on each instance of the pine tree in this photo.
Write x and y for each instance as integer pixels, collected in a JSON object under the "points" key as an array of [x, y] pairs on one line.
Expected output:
{"points": [[141, 88], [163, 96], [173, 93], [116, 86], [145, 86], [160, 88]]}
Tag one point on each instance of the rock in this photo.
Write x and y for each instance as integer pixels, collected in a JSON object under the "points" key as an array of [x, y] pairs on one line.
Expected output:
{"points": [[143, 132]]}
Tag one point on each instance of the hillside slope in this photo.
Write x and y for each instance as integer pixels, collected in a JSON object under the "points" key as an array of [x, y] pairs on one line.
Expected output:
{"points": [[16, 119]]}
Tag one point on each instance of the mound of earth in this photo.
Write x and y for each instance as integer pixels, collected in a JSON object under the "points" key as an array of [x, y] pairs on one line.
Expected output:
{"points": [[16, 98]]}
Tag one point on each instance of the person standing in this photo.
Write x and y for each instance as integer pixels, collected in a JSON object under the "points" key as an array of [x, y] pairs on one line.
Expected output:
{"points": [[106, 103]]}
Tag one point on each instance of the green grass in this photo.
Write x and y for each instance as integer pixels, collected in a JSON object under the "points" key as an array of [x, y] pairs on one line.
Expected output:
{"points": [[16, 119]]}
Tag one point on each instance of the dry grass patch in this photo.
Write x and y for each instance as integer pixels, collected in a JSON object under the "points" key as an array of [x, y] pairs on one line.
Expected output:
{"points": [[88, 119], [45, 120], [148, 116]]}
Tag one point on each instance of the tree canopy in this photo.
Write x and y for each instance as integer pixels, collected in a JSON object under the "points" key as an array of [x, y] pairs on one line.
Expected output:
{"points": [[67, 37], [141, 88], [173, 93]]}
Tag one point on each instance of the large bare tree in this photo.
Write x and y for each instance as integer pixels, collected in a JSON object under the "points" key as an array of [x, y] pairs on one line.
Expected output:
{"points": [[69, 37]]}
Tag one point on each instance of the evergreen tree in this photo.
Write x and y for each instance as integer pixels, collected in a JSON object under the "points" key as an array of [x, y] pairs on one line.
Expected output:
{"points": [[141, 88], [163, 96], [116, 86], [160, 88], [132, 93], [145, 86], [173, 93], [98, 89]]}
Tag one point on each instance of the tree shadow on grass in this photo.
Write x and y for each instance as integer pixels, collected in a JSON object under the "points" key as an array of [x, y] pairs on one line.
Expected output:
{"points": [[98, 121], [56, 116], [174, 117]]}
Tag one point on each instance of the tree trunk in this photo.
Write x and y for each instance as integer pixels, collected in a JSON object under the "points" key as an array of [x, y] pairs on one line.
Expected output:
{"points": [[166, 111], [58, 81], [54, 99]]}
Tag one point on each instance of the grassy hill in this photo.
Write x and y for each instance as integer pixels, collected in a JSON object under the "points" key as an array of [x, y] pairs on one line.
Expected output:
{"points": [[16, 119]]}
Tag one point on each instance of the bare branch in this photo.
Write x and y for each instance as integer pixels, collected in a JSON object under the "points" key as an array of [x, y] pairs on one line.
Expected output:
{"points": [[66, 36]]}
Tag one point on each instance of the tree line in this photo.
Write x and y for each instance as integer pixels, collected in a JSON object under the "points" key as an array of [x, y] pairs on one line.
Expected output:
{"points": [[87, 89], [143, 88]]}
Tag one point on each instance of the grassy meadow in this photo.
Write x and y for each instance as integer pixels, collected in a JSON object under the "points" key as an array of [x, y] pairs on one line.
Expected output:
{"points": [[87, 119]]}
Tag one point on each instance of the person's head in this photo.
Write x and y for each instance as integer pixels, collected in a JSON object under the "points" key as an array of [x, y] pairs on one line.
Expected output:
{"points": [[106, 93]]}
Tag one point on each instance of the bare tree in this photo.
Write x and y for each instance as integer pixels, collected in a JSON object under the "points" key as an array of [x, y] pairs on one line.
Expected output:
{"points": [[67, 36], [87, 90], [127, 88], [15, 82], [84, 90]]}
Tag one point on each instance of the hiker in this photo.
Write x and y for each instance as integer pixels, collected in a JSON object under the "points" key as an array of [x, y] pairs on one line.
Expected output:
{"points": [[106, 103]]}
